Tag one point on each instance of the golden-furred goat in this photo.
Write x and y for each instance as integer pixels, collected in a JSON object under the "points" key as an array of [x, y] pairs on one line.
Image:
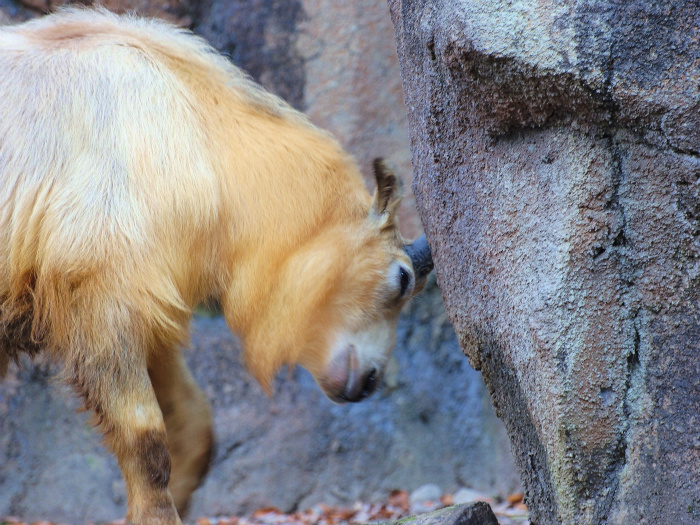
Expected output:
{"points": [[140, 174]]}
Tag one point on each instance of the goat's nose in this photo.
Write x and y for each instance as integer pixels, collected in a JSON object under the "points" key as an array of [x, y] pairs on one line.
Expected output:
{"points": [[369, 384], [362, 388]]}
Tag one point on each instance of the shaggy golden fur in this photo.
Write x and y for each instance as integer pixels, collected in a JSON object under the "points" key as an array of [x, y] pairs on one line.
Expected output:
{"points": [[140, 174]]}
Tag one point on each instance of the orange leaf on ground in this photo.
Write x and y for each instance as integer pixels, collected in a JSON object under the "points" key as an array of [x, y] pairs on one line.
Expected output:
{"points": [[265, 511], [515, 498], [338, 514], [383, 514], [399, 498]]}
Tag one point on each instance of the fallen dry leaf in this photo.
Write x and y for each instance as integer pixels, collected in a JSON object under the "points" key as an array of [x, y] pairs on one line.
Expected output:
{"points": [[515, 498], [267, 510], [447, 500], [399, 498]]}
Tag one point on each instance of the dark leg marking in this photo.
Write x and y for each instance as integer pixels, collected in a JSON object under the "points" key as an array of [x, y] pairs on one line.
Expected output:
{"points": [[155, 458]]}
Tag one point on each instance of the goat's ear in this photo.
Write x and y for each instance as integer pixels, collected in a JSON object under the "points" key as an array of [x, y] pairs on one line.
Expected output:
{"points": [[388, 194]]}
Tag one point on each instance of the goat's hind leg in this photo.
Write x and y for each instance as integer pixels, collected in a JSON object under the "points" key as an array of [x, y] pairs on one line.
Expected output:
{"points": [[187, 418], [113, 379]]}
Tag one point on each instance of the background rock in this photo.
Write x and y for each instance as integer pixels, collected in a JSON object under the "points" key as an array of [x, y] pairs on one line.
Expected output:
{"points": [[353, 86], [428, 492], [557, 167], [479, 513], [260, 37]]}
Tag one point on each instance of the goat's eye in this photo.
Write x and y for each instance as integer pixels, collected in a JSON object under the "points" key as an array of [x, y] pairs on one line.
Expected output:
{"points": [[405, 280]]}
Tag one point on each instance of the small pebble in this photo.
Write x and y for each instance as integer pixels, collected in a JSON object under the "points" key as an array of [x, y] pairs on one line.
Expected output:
{"points": [[424, 493], [425, 499]]}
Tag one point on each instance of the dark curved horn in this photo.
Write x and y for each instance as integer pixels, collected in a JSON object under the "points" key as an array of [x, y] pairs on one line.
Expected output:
{"points": [[420, 255]]}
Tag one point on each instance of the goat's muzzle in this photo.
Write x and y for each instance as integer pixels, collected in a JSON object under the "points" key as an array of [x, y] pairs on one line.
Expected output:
{"points": [[346, 381]]}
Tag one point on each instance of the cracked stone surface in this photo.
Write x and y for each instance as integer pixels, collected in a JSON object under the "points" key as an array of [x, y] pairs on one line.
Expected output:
{"points": [[557, 166]]}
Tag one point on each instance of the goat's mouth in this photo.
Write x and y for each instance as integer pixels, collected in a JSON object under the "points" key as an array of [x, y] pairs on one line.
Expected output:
{"points": [[344, 381]]}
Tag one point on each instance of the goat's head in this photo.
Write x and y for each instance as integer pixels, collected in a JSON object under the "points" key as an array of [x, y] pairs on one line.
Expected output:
{"points": [[384, 274], [373, 279], [340, 297]]}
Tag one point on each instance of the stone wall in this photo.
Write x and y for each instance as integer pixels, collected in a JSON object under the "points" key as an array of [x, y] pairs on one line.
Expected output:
{"points": [[557, 159]]}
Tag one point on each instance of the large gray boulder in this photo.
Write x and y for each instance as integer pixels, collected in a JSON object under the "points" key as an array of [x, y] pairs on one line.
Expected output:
{"points": [[556, 148]]}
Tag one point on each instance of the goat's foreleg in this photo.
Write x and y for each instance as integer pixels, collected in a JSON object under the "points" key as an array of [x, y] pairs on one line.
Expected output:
{"points": [[115, 384]]}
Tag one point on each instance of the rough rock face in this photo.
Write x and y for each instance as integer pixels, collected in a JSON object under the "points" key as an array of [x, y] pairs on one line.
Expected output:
{"points": [[336, 60], [557, 172]]}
